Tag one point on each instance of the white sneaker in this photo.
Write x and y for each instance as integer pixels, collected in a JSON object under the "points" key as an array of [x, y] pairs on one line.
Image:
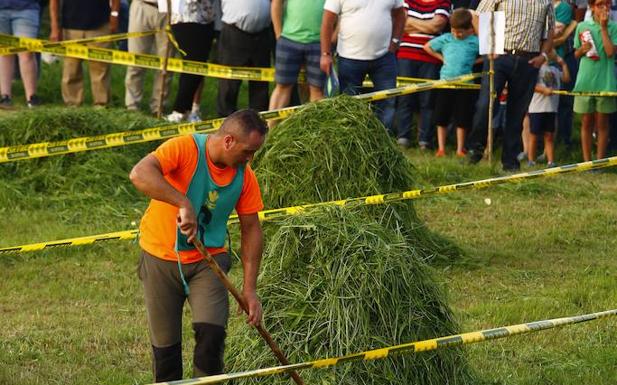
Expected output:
{"points": [[175, 117], [194, 117], [403, 142]]}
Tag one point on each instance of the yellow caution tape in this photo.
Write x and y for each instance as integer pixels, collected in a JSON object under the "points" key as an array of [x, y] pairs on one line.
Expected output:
{"points": [[268, 215], [21, 44], [113, 56], [605, 94], [408, 348], [44, 149]]}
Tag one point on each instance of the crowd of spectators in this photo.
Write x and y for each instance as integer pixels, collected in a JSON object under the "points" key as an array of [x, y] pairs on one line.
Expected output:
{"points": [[549, 45]]}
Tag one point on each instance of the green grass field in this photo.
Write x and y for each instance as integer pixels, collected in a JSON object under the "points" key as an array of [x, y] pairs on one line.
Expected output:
{"points": [[541, 249]]}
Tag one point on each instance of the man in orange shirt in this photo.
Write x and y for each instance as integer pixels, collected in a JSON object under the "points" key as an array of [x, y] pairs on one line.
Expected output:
{"points": [[195, 182]]}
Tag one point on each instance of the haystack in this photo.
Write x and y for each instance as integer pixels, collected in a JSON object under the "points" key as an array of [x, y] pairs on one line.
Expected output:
{"points": [[338, 149], [334, 283]]}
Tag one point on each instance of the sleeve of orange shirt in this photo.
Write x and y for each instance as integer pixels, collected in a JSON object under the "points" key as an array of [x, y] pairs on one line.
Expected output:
{"points": [[250, 198], [176, 154]]}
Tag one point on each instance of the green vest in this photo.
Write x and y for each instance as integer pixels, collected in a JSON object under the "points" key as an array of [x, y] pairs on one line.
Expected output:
{"points": [[212, 203]]}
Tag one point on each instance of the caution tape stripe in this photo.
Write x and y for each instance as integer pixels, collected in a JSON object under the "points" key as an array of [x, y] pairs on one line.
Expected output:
{"points": [[269, 215], [21, 44], [44, 149], [412, 347]]}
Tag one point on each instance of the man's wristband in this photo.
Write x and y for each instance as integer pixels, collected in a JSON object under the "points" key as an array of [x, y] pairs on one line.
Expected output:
{"points": [[545, 55], [326, 54], [113, 13]]}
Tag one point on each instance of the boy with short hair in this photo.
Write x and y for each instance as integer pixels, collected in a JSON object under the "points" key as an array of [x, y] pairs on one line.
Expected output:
{"points": [[458, 50], [543, 108]]}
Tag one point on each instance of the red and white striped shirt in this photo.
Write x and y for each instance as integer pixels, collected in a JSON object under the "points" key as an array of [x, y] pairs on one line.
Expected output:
{"points": [[411, 44]]}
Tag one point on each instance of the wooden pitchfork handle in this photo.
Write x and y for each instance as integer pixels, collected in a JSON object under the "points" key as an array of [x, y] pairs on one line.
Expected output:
{"points": [[214, 266]]}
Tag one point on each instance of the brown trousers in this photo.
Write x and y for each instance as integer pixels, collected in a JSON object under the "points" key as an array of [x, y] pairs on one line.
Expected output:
{"points": [[72, 72]]}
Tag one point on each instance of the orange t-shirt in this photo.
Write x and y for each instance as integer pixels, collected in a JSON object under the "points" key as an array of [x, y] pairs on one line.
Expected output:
{"points": [[178, 159]]}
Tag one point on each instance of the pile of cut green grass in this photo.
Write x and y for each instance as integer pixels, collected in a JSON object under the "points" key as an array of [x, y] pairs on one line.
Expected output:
{"points": [[338, 149], [93, 183], [335, 283]]}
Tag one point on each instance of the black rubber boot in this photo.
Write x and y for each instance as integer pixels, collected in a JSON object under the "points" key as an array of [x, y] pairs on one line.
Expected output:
{"points": [[167, 363], [209, 349]]}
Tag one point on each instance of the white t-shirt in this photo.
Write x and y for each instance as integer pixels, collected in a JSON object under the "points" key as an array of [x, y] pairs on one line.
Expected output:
{"points": [[550, 77], [250, 16], [365, 27]]}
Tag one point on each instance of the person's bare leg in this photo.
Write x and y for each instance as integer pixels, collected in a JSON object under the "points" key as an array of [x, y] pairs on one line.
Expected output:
{"points": [[525, 137], [27, 67], [7, 67], [460, 140], [602, 127], [315, 93], [279, 99], [549, 147], [442, 132], [532, 144], [586, 138]]}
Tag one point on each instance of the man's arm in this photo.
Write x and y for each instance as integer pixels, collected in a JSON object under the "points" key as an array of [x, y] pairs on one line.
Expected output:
{"points": [[547, 46], [398, 24], [430, 27], [147, 176], [113, 20], [328, 22], [276, 9], [252, 249], [54, 20]]}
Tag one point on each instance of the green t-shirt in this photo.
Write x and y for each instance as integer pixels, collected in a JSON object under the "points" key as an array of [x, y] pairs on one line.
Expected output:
{"points": [[302, 20], [596, 75], [563, 14]]}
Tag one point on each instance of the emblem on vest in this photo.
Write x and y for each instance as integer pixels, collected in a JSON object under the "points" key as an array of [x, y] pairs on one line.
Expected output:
{"points": [[213, 197]]}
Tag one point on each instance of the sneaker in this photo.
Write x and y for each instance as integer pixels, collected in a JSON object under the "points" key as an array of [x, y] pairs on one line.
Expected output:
{"points": [[531, 163], [521, 156], [474, 157], [34, 101], [6, 102], [440, 153], [175, 117], [403, 142], [551, 165], [423, 146], [194, 117], [541, 158]]}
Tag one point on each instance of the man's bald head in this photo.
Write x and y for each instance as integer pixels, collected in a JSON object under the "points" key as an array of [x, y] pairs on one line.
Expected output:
{"points": [[242, 123]]}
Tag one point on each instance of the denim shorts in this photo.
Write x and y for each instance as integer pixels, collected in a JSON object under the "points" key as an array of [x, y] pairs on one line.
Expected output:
{"points": [[24, 23], [290, 56]]}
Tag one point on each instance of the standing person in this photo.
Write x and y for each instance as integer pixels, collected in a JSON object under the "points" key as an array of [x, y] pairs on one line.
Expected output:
{"points": [[195, 182], [528, 39], [19, 18], [425, 20], [144, 16], [369, 35], [80, 19], [458, 51], [245, 40], [595, 46], [543, 108], [563, 42], [296, 28], [193, 29]]}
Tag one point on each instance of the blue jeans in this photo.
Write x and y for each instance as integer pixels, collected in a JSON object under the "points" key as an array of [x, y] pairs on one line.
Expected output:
{"points": [[421, 101], [382, 72], [565, 111], [20, 23], [521, 78]]}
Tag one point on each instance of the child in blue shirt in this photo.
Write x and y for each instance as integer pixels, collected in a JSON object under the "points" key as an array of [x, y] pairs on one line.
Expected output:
{"points": [[458, 51]]}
